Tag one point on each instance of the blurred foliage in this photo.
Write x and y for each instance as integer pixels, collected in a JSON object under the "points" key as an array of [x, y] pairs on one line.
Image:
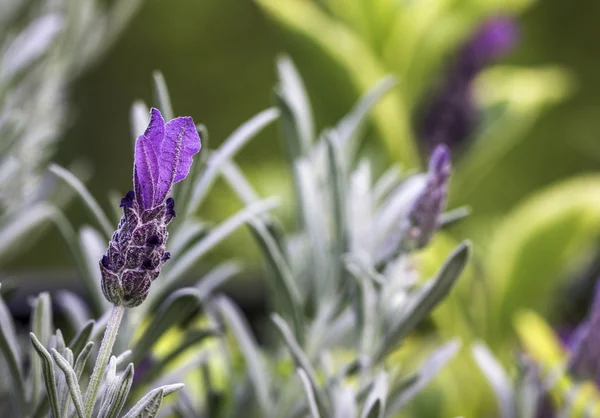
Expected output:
{"points": [[539, 127]]}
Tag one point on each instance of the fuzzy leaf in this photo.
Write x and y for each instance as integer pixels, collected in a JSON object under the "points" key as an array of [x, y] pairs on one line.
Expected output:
{"points": [[192, 337], [93, 245], [497, 377], [48, 374], [297, 119], [148, 406], [72, 383], [82, 359], [255, 363], [14, 232], [74, 308], [427, 371], [352, 126], [117, 399], [42, 327], [302, 361], [31, 43], [80, 340], [161, 95], [230, 147], [427, 298], [310, 395], [186, 260], [173, 310], [216, 277], [90, 203], [138, 119], [11, 352], [376, 399]]}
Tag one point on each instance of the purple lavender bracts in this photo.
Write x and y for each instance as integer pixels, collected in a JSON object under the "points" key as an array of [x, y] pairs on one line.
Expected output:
{"points": [[423, 218], [137, 249], [136, 253], [584, 358]]}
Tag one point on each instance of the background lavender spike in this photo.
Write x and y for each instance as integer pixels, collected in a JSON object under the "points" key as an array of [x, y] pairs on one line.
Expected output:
{"points": [[584, 360], [450, 113], [424, 215]]}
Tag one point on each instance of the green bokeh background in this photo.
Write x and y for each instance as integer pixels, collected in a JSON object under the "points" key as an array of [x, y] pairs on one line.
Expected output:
{"points": [[218, 60]]}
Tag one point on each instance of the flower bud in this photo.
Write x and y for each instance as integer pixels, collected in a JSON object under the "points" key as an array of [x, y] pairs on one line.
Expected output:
{"points": [[423, 218], [136, 252]]}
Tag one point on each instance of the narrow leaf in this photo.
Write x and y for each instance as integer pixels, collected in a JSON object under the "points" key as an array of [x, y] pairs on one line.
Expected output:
{"points": [[41, 326], [90, 203], [80, 340], [352, 126], [32, 42], [296, 110], [48, 374], [257, 369], [92, 246], [148, 406], [229, 148], [82, 359], [302, 361], [161, 95], [310, 395], [216, 277], [19, 227], [427, 371], [74, 309], [177, 307], [453, 216], [117, 401], [72, 383], [11, 352], [138, 119], [192, 337], [497, 378], [186, 260], [75, 245], [376, 400], [427, 298]]}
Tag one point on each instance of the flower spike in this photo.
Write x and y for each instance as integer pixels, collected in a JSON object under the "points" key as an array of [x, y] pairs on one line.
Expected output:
{"points": [[137, 249]]}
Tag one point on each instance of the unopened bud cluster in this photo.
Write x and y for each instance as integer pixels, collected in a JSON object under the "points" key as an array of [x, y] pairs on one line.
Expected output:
{"points": [[424, 216], [136, 252]]}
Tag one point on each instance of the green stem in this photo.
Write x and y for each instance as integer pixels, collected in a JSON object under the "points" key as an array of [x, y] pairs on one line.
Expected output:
{"points": [[108, 341]]}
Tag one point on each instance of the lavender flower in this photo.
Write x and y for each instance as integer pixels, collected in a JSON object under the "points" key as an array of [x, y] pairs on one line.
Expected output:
{"points": [[584, 359], [137, 249], [450, 115], [423, 218]]}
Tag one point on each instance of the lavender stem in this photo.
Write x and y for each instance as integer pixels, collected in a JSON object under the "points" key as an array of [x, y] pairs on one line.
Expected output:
{"points": [[108, 341]]}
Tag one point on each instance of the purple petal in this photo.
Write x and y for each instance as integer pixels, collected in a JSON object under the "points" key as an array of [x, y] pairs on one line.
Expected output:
{"points": [[180, 144], [155, 132], [145, 172], [147, 151]]}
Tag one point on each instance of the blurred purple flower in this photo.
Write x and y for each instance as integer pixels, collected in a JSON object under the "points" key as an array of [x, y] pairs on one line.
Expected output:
{"points": [[423, 218], [137, 249], [584, 358], [450, 115]]}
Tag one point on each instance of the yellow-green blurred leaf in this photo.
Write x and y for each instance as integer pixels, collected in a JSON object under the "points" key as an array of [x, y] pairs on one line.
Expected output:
{"points": [[344, 47], [522, 94], [536, 242]]}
